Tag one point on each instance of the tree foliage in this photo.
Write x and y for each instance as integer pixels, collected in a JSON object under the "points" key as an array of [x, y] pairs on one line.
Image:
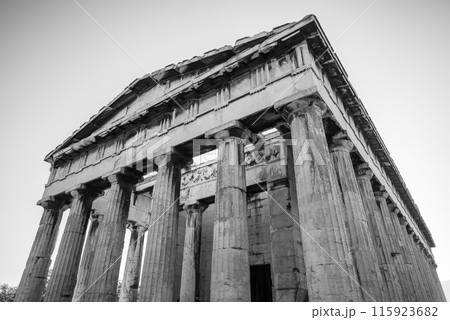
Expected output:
{"points": [[7, 293]]}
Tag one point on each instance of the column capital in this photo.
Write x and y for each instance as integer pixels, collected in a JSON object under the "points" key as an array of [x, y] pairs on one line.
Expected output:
{"points": [[394, 209], [123, 175], [363, 171], [403, 220], [83, 190], [51, 203], [341, 142], [300, 106], [170, 155], [409, 230], [134, 225], [196, 206], [380, 192], [232, 129]]}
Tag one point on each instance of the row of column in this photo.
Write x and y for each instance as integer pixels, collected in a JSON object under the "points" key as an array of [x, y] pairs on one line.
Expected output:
{"points": [[94, 277], [355, 245]]}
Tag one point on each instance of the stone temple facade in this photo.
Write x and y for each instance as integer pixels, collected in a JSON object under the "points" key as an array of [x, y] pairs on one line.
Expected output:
{"points": [[298, 198]]}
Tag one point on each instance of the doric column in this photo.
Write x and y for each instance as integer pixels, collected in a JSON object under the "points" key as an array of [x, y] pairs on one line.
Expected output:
{"points": [[230, 270], [420, 261], [361, 245], [392, 243], [111, 234], [287, 265], [132, 273], [64, 275], [159, 262], [424, 295], [435, 281], [190, 273], [394, 248], [288, 268], [34, 277], [433, 267], [378, 233], [405, 258], [88, 257], [431, 284], [329, 267], [411, 260]]}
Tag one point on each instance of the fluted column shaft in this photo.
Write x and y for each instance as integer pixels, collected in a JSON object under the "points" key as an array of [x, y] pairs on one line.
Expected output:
{"points": [[159, 262], [429, 278], [329, 267], [132, 273], [361, 245], [111, 234], [425, 294], [435, 285], [411, 259], [394, 248], [230, 269], [405, 258], [420, 261], [378, 233], [433, 267], [34, 277], [64, 275], [287, 266], [190, 273], [84, 269]]}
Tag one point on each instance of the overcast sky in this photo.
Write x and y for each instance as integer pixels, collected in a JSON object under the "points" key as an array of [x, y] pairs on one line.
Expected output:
{"points": [[58, 68]]}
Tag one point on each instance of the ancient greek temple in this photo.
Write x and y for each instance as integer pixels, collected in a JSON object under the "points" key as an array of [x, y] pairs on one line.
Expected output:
{"points": [[250, 173]]}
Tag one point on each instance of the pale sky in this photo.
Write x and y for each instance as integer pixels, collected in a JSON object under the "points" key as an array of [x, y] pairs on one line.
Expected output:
{"points": [[58, 68]]}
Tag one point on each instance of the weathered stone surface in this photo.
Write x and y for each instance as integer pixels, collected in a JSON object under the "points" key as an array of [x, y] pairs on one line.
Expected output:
{"points": [[423, 295], [355, 218], [190, 274], [159, 260], [64, 275], [230, 274], [406, 261], [410, 258], [289, 274], [288, 267], [329, 268], [208, 218], [378, 234], [423, 253], [394, 248], [88, 257], [132, 273], [429, 275], [34, 277], [437, 283], [419, 258], [111, 234]]}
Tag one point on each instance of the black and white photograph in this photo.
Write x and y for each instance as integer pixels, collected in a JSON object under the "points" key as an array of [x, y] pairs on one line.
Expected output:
{"points": [[225, 151]]}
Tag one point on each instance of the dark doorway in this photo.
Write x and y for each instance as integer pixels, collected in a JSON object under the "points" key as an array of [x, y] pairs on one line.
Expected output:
{"points": [[261, 283]]}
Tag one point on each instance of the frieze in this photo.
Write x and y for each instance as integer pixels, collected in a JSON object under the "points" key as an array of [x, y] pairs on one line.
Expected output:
{"points": [[270, 153], [195, 175], [198, 175]]}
